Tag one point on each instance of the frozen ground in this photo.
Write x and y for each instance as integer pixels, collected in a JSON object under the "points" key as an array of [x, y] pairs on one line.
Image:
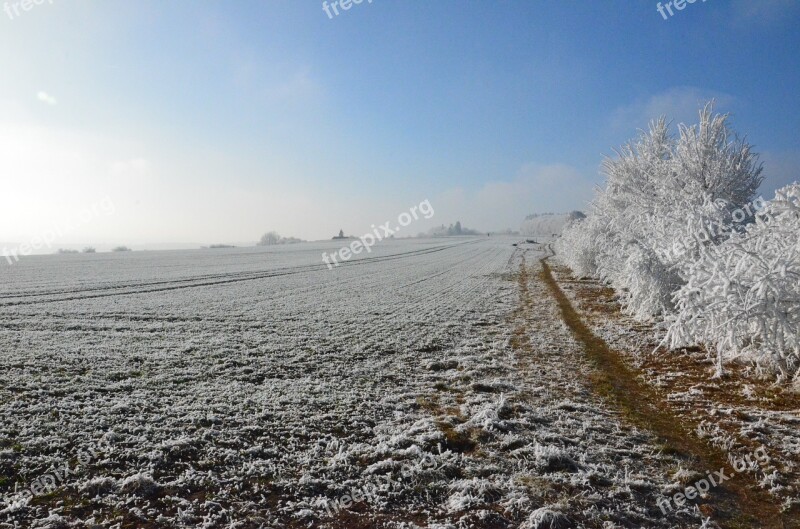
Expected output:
{"points": [[738, 413], [425, 385]]}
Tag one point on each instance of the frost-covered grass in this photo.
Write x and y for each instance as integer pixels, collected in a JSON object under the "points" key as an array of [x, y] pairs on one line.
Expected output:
{"points": [[736, 413], [254, 388]]}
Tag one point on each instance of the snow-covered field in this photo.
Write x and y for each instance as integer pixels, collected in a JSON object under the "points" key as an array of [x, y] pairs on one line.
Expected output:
{"points": [[423, 385]]}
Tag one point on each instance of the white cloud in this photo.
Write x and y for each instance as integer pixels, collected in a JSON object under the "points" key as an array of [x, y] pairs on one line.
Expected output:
{"points": [[504, 204], [679, 104], [51, 173], [134, 169], [298, 85], [762, 12], [46, 98], [275, 83], [164, 196]]}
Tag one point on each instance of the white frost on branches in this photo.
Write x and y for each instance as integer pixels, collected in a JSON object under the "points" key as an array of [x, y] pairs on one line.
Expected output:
{"points": [[548, 224], [676, 232], [742, 296]]}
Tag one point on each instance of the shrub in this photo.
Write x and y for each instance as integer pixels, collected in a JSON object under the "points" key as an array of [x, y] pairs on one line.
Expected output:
{"points": [[646, 226], [272, 238], [742, 296], [676, 232]]}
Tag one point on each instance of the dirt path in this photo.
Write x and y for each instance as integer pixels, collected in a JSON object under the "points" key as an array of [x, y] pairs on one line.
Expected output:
{"points": [[590, 463], [735, 503]]}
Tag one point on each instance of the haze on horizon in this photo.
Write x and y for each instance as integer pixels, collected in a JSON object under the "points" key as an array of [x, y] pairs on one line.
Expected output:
{"points": [[208, 123]]}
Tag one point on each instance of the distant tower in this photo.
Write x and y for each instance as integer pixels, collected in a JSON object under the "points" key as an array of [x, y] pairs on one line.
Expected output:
{"points": [[341, 234]]}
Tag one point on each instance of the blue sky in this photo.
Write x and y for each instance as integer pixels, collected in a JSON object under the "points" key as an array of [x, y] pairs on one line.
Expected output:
{"points": [[214, 122]]}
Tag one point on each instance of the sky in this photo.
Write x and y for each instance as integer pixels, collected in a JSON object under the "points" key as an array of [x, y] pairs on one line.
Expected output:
{"points": [[213, 122]]}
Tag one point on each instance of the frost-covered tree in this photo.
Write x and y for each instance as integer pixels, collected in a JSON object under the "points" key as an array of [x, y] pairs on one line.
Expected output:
{"points": [[269, 238], [548, 224], [676, 231], [712, 161], [650, 220], [272, 238], [578, 246], [742, 296]]}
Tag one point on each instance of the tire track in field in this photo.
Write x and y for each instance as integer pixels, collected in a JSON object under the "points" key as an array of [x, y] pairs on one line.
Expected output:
{"points": [[428, 303], [225, 275], [219, 279], [229, 275]]}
